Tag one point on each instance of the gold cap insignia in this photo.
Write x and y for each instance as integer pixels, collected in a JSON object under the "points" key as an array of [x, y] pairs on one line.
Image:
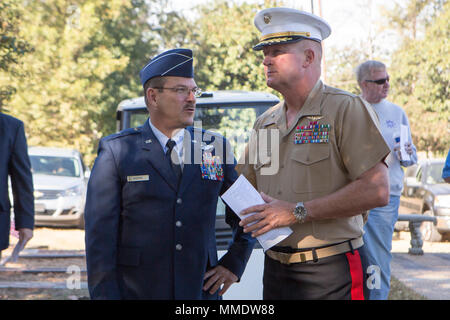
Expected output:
{"points": [[267, 18]]}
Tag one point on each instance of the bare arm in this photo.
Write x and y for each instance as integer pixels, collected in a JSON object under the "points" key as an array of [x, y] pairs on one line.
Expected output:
{"points": [[368, 191]]}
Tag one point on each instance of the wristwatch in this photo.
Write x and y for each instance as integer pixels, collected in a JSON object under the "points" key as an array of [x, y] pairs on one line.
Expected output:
{"points": [[300, 212]]}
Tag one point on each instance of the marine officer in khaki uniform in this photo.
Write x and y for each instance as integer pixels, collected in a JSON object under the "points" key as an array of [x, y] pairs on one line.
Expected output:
{"points": [[322, 174]]}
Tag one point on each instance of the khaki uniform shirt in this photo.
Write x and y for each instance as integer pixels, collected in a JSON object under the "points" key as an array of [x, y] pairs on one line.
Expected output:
{"points": [[348, 142]]}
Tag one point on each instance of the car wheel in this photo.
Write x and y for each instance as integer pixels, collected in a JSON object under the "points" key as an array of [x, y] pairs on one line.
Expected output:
{"points": [[429, 230]]}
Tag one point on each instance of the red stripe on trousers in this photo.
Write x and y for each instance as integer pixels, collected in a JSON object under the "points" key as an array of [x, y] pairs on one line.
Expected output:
{"points": [[356, 272]]}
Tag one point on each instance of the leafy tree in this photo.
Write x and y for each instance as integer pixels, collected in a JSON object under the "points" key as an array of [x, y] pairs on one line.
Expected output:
{"points": [[421, 78], [419, 81], [12, 48], [171, 28], [87, 55], [410, 18], [341, 65], [342, 60], [225, 35]]}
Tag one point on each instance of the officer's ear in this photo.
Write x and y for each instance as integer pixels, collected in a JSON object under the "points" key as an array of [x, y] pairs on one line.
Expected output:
{"points": [[310, 56], [150, 99], [150, 95]]}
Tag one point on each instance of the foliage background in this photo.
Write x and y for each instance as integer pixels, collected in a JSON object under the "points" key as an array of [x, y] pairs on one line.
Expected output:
{"points": [[65, 65]]}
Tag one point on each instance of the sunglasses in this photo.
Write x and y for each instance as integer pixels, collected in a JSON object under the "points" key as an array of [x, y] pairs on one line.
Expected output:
{"points": [[379, 81]]}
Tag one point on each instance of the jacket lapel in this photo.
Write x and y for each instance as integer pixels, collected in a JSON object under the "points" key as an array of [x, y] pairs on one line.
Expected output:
{"points": [[155, 155], [192, 150]]}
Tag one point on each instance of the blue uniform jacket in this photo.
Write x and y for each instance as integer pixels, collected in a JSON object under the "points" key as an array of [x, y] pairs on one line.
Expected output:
{"points": [[14, 161], [146, 238]]}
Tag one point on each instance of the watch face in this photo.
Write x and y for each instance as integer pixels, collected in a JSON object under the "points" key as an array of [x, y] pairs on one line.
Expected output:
{"points": [[300, 212]]}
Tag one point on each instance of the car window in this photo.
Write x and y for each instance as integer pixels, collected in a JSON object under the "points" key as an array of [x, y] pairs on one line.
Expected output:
{"points": [[55, 166], [435, 173], [234, 123], [138, 117]]}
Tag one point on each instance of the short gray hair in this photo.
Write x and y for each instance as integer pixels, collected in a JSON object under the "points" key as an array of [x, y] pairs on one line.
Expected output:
{"points": [[364, 69], [153, 83]]}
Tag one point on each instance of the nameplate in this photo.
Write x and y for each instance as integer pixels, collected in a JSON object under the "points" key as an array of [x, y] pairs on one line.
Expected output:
{"points": [[138, 178]]}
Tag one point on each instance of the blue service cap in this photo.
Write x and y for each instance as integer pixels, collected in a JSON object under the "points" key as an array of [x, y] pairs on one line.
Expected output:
{"points": [[175, 62]]}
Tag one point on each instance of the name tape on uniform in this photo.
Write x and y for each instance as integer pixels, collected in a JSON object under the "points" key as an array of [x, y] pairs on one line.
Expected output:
{"points": [[144, 177]]}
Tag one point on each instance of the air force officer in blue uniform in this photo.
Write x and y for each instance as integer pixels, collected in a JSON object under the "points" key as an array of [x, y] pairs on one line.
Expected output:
{"points": [[14, 162], [152, 198]]}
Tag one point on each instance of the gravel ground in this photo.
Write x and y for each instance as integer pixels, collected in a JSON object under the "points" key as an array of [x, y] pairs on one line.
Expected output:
{"points": [[73, 239], [52, 239]]}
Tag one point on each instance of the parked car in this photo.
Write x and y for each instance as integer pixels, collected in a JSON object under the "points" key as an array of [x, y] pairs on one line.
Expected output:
{"points": [[231, 113], [60, 183], [425, 192]]}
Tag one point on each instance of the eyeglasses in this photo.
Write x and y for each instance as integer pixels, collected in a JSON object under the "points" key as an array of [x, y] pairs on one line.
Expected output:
{"points": [[184, 91], [379, 81]]}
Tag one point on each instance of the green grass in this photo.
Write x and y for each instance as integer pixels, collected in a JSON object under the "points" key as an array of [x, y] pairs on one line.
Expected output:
{"points": [[399, 291]]}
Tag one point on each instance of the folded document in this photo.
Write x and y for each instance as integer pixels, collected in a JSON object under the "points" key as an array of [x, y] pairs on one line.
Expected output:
{"points": [[242, 195]]}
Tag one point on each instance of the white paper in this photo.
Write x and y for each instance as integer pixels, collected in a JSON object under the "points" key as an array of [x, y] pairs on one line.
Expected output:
{"points": [[404, 137], [242, 195], [15, 254]]}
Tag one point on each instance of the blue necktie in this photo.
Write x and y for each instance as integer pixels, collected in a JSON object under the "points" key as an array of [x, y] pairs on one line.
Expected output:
{"points": [[176, 167]]}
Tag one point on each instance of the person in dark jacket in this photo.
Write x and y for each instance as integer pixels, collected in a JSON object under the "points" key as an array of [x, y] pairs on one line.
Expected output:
{"points": [[14, 162], [152, 199]]}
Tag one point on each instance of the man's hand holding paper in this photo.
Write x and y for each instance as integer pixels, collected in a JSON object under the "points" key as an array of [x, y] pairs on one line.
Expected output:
{"points": [[271, 215], [245, 200]]}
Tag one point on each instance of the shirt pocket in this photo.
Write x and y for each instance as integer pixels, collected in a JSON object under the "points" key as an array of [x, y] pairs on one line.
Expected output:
{"points": [[311, 168]]}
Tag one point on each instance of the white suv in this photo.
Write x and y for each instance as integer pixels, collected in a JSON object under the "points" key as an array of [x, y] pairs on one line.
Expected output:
{"points": [[60, 183]]}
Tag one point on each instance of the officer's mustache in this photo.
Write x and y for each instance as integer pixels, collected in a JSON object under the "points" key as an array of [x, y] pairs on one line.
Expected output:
{"points": [[189, 106]]}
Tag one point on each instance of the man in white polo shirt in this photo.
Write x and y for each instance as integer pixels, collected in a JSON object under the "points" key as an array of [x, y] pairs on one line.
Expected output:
{"points": [[373, 79]]}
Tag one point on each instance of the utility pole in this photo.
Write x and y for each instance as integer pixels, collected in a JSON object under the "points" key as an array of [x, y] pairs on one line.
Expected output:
{"points": [[324, 63], [312, 6]]}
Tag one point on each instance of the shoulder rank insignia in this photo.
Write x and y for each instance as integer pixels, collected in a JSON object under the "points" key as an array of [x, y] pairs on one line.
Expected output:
{"points": [[312, 133]]}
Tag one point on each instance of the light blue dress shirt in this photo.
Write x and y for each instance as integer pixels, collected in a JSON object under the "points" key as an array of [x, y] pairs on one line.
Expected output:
{"points": [[178, 138]]}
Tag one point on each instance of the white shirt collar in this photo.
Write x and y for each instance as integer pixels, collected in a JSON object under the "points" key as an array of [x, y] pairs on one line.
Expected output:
{"points": [[162, 138]]}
